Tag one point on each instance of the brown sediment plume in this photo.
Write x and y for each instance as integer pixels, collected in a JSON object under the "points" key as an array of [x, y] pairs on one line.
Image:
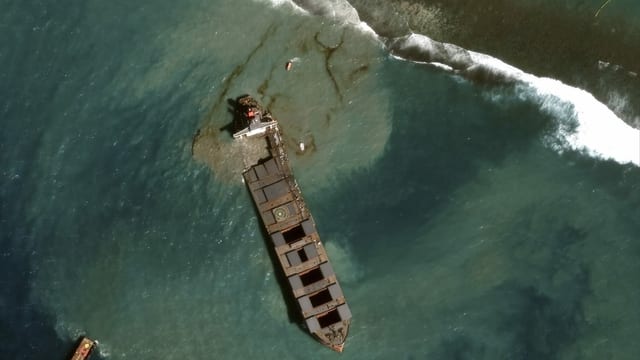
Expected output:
{"points": [[210, 147], [213, 146], [326, 101]]}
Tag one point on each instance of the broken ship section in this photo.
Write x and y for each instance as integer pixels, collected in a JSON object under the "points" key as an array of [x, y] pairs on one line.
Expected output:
{"points": [[293, 234]]}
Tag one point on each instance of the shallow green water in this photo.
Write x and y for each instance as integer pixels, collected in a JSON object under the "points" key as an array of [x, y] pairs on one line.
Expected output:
{"points": [[456, 231]]}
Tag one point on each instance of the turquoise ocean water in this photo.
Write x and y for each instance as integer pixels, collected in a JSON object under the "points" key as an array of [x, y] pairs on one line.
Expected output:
{"points": [[466, 219]]}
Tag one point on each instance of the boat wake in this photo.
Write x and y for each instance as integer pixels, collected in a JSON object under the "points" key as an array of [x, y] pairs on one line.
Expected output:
{"points": [[584, 124]]}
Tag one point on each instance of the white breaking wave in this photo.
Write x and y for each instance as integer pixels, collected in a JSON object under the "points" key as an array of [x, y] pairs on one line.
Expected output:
{"points": [[337, 10], [288, 3], [598, 131]]}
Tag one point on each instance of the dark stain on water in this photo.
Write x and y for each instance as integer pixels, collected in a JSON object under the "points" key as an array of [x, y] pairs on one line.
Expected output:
{"points": [[541, 308], [540, 324], [272, 100], [358, 73], [329, 51], [226, 85], [262, 89], [529, 322]]}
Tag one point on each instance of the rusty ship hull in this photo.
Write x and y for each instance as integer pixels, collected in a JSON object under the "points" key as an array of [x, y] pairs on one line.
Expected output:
{"points": [[293, 234], [84, 349]]}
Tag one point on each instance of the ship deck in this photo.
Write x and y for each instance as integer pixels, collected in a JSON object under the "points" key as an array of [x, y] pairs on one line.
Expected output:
{"points": [[296, 242]]}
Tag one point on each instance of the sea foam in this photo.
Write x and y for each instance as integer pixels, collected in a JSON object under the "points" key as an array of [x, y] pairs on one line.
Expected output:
{"points": [[336, 10]]}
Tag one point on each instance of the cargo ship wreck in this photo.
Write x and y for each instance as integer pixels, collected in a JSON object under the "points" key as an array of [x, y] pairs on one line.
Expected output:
{"points": [[291, 229], [84, 349]]}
